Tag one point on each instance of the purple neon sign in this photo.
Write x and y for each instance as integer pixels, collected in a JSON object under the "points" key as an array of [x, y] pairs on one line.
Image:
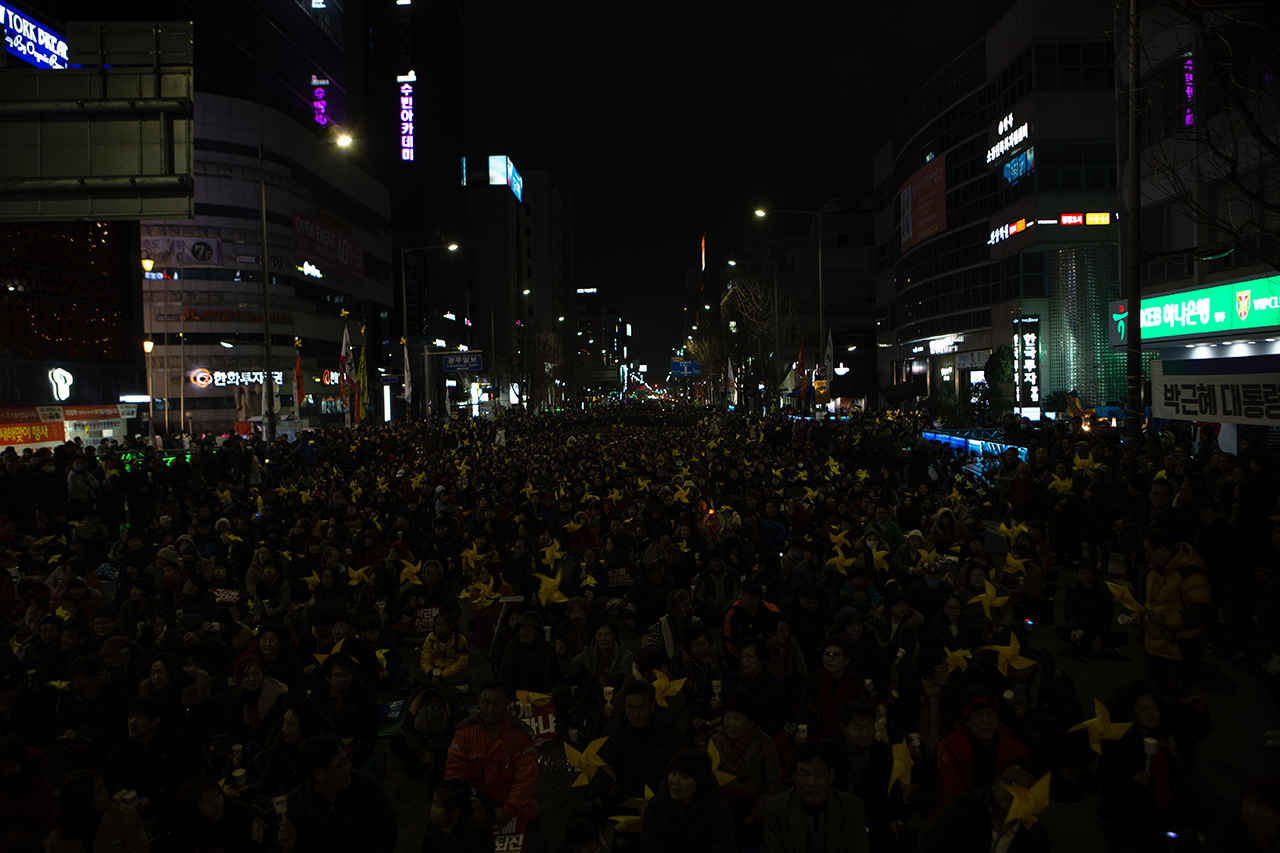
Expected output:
{"points": [[319, 102], [1189, 82]]}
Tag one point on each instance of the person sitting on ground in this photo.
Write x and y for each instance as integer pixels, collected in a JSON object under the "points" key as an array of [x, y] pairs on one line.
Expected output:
{"points": [[494, 752], [430, 719], [203, 820], [830, 688], [976, 821], [863, 766], [89, 820], [350, 705], [767, 691], [151, 760], [461, 821], [338, 809], [687, 811], [969, 756], [640, 743], [444, 652], [814, 815], [747, 754]]}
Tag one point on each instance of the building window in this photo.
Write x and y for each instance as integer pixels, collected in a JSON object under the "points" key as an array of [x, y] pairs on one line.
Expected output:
{"points": [[1088, 65], [1088, 166]]}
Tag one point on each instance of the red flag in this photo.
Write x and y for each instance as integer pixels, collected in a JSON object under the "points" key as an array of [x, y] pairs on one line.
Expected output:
{"points": [[800, 371]]}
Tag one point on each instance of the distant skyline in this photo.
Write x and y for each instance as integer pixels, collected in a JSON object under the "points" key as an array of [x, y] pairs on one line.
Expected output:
{"points": [[663, 127]]}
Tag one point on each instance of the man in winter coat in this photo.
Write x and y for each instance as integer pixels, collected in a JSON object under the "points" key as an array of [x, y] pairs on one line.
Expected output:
{"points": [[969, 757], [1177, 609], [640, 743], [750, 616], [494, 752]]}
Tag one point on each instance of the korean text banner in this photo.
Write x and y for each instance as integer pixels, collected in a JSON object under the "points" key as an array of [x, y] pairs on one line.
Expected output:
{"points": [[328, 247], [1206, 313], [1223, 390], [923, 200]]}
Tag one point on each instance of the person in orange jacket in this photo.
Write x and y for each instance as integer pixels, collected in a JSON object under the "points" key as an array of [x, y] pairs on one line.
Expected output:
{"points": [[494, 752]]}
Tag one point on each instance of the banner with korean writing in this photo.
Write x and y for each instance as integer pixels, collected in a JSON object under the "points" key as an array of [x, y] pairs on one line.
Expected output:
{"points": [[328, 246], [21, 428], [1229, 390], [541, 718], [922, 203]]}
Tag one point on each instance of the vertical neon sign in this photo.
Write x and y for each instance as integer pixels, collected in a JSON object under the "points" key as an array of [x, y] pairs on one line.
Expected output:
{"points": [[406, 82], [1189, 80], [319, 102]]}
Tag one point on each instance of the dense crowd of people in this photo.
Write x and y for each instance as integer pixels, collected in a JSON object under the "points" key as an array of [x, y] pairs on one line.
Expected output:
{"points": [[771, 634]]}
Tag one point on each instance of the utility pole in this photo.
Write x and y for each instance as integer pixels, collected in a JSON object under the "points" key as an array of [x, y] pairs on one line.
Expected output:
{"points": [[1134, 367]]}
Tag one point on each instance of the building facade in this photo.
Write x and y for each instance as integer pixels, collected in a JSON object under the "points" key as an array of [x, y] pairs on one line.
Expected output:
{"points": [[996, 214]]}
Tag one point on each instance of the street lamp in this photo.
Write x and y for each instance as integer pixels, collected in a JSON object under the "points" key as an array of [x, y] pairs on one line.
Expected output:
{"points": [[816, 214], [147, 346], [343, 140], [404, 309]]}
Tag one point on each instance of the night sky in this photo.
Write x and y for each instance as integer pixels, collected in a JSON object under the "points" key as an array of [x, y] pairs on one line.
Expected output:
{"points": [[668, 120]]}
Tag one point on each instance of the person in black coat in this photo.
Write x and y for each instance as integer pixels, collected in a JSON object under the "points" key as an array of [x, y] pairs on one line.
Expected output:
{"points": [[349, 704], [967, 823], [687, 811], [862, 766], [529, 663], [204, 821], [1087, 613], [927, 595], [639, 745], [460, 821]]}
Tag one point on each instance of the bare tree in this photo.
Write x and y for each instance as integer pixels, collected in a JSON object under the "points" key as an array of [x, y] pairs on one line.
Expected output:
{"points": [[767, 317], [542, 355], [1212, 120]]}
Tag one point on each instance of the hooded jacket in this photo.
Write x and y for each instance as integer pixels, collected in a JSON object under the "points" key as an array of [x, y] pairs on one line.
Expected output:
{"points": [[1179, 591], [505, 768]]}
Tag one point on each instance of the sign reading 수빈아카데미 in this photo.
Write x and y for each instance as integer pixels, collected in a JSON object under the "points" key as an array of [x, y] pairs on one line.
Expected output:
{"points": [[1207, 312]]}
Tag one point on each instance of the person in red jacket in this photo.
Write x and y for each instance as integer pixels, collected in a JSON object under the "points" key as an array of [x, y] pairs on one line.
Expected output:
{"points": [[495, 753], [970, 757]]}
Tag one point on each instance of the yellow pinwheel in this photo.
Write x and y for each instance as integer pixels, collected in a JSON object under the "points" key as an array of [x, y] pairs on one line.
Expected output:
{"points": [[777, 472], [359, 576], [381, 655], [1084, 464], [1010, 656], [1015, 564], [1161, 475], [587, 497], [643, 484], [802, 475], [1061, 485], [958, 660], [722, 778], [614, 496], [927, 555], [528, 491], [1123, 593], [841, 562], [684, 471], [528, 697], [549, 589], [481, 595], [572, 526], [1028, 802], [989, 599], [901, 772], [588, 761], [682, 545], [955, 497], [1100, 728], [632, 823], [64, 686], [881, 559], [833, 466], [840, 538], [862, 475], [411, 572], [552, 553], [588, 579], [1012, 533], [313, 581], [418, 480], [682, 494], [664, 687], [811, 495]]}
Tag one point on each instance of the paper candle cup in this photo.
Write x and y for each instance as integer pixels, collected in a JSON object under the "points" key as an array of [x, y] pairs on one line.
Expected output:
{"points": [[436, 672], [1008, 696], [237, 750], [1150, 745], [280, 804], [802, 732], [915, 738], [547, 631], [1124, 619], [608, 694], [238, 777], [716, 686]]}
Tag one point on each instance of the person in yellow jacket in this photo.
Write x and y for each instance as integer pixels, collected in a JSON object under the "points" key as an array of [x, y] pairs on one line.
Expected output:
{"points": [[445, 650], [1177, 608]]}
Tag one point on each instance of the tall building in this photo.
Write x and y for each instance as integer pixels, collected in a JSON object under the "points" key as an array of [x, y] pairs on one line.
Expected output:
{"points": [[1210, 297], [996, 219]]}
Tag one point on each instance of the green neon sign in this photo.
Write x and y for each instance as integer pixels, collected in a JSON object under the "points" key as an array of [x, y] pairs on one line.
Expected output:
{"points": [[1204, 313]]}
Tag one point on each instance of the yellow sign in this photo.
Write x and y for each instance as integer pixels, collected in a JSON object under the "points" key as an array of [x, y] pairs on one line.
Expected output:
{"points": [[1097, 219], [820, 391]]}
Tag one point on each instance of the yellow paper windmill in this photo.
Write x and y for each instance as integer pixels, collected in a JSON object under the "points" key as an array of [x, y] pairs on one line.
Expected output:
{"points": [[1015, 564], [989, 599], [381, 655], [614, 496], [901, 772], [802, 475], [1010, 656], [777, 472], [833, 466], [810, 495], [881, 559], [841, 562], [722, 778], [313, 581], [1085, 464], [528, 491], [632, 823], [955, 497], [664, 687], [481, 595], [1100, 728], [958, 659], [1061, 485], [411, 572], [682, 494], [588, 761], [862, 475], [358, 576], [572, 526], [1123, 593], [643, 484], [552, 553], [64, 686], [1012, 533], [549, 590], [587, 497], [528, 697], [588, 579], [682, 545], [840, 538], [418, 480], [927, 555], [1028, 802]]}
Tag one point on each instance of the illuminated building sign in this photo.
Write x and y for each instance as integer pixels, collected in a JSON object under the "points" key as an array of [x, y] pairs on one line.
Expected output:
{"points": [[503, 173], [947, 343], [1189, 83], [1019, 166], [1204, 313], [202, 378], [31, 42], [405, 83], [319, 102], [61, 380], [310, 269], [1010, 138], [1026, 348], [1004, 232], [1071, 219], [1084, 219], [586, 290]]}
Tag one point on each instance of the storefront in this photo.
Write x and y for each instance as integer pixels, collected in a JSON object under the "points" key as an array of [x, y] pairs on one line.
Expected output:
{"points": [[1218, 352]]}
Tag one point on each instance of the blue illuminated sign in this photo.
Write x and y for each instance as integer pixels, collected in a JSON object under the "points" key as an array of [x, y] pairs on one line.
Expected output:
{"points": [[31, 41], [502, 172], [1019, 166]]}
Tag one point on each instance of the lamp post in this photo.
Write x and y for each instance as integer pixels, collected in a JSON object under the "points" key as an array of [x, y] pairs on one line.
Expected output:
{"points": [[404, 312], [147, 346], [268, 410], [816, 214]]}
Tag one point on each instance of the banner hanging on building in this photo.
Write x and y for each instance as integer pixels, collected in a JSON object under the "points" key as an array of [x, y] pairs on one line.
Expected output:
{"points": [[328, 247], [923, 203], [1225, 390]]}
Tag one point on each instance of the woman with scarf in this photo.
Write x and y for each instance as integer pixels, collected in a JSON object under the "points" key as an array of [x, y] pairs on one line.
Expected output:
{"points": [[605, 663], [688, 812], [747, 753], [255, 705], [786, 659], [702, 665], [280, 766], [767, 691]]}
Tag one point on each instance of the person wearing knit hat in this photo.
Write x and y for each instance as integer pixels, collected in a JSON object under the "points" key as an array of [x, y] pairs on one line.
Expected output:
{"points": [[970, 757]]}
